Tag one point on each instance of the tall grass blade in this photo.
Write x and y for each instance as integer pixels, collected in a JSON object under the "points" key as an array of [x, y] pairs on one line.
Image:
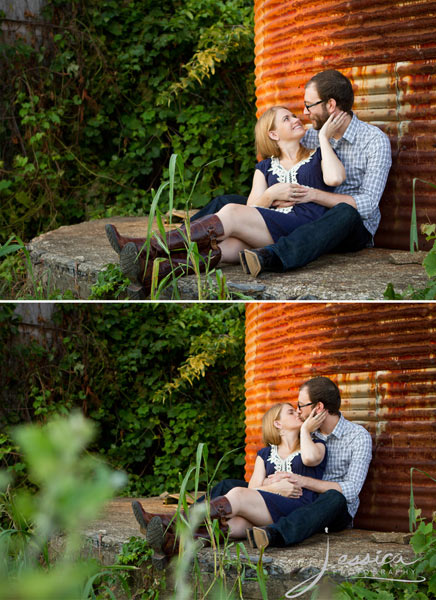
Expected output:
{"points": [[196, 178], [412, 510], [413, 222]]}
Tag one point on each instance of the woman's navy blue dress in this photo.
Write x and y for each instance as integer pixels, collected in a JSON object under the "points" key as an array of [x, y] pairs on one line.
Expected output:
{"points": [[281, 221], [280, 506]]}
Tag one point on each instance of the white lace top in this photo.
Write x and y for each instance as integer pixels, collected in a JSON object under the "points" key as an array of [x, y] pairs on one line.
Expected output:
{"points": [[281, 464]]}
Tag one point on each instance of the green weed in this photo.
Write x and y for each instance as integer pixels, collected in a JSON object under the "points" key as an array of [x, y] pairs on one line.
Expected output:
{"points": [[429, 262]]}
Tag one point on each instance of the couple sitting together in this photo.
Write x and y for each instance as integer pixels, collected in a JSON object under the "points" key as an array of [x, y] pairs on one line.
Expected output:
{"points": [[307, 478], [314, 192]]}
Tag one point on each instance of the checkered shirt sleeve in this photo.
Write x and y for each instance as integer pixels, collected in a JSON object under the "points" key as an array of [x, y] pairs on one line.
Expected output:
{"points": [[365, 152]]}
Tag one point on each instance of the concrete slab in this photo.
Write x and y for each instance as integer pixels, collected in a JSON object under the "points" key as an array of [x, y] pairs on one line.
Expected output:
{"points": [[349, 552], [71, 257]]}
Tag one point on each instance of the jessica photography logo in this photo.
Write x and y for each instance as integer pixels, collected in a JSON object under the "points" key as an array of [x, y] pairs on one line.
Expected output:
{"points": [[365, 561]]}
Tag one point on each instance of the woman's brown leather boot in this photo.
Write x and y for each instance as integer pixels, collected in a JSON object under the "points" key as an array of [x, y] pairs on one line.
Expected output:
{"points": [[140, 271], [201, 230]]}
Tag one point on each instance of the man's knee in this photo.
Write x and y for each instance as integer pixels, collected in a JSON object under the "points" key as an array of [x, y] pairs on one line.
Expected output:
{"points": [[347, 211], [224, 486], [335, 498]]}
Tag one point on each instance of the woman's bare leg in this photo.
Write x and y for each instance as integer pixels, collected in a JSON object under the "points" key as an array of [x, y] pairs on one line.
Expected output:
{"points": [[245, 223], [230, 249], [237, 526], [249, 504]]}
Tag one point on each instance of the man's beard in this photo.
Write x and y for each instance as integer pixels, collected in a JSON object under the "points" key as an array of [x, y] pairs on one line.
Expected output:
{"points": [[318, 121]]}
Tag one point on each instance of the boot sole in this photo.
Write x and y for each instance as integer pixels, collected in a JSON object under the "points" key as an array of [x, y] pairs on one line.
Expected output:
{"points": [[111, 236], [136, 507], [243, 262], [128, 264], [253, 263], [260, 538], [155, 539]]}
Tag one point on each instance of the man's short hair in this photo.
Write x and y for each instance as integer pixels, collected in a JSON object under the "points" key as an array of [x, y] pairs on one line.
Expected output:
{"points": [[332, 84], [323, 389]]}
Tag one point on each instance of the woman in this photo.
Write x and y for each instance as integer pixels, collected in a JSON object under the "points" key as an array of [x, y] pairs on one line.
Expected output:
{"points": [[290, 447], [221, 237]]}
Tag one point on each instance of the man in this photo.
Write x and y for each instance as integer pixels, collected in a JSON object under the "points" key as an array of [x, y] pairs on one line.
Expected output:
{"points": [[354, 215], [349, 452]]}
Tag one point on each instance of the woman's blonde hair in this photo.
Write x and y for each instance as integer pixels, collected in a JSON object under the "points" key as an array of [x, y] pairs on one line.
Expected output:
{"points": [[270, 433], [265, 146]]}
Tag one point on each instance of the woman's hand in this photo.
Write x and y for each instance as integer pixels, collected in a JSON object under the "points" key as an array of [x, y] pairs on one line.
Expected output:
{"points": [[332, 125], [298, 194], [277, 476], [285, 488], [314, 420], [280, 192]]}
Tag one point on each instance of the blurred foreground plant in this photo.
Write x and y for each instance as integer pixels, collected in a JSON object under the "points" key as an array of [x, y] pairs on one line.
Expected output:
{"points": [[72, 487], [232, 566]]}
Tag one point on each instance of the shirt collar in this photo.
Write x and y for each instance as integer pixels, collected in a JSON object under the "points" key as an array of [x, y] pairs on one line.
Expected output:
{"points": [[351, 131], [349, 134], [338, 431]]}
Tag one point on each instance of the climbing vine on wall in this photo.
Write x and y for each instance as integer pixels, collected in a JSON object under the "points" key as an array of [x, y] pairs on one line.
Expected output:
{"points": [[157, 379], [92, 110]]}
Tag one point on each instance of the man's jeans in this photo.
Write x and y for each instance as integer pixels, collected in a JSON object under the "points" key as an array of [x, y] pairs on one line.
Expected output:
{"points": [[340, 229], [328, 510]]}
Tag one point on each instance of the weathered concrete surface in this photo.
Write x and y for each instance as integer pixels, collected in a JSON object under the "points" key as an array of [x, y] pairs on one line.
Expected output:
{"points": [[70, 258], [286, 567]]}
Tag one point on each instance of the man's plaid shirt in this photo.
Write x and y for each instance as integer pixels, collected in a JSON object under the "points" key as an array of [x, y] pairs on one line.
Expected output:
{"points": [[349, 452], [365, 152]]}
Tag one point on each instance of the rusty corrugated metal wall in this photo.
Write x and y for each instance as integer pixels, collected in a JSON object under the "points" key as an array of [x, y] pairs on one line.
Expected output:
{"points": [[383, 357], [388, 50]]}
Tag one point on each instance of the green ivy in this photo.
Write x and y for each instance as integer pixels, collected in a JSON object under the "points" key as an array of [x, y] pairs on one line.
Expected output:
{"points": [[91, 115], [157, 379]]}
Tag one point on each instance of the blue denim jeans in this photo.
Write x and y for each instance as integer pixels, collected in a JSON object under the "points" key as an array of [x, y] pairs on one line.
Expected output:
{"points": [[224, 486], [340, 229], [328, 510]]}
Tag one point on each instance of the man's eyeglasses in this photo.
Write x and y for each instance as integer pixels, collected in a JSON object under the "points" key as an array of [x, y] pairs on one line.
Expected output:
{"points": [[300, 406], [309, 106]]}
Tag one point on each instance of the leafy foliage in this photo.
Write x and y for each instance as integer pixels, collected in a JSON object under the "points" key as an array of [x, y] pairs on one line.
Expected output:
{"points": [[71, 489], [91, 115], [157, 379]]}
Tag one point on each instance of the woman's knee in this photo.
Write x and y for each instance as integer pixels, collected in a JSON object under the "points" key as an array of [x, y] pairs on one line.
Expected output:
{"points": [[236, 496], [230, 210]]}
